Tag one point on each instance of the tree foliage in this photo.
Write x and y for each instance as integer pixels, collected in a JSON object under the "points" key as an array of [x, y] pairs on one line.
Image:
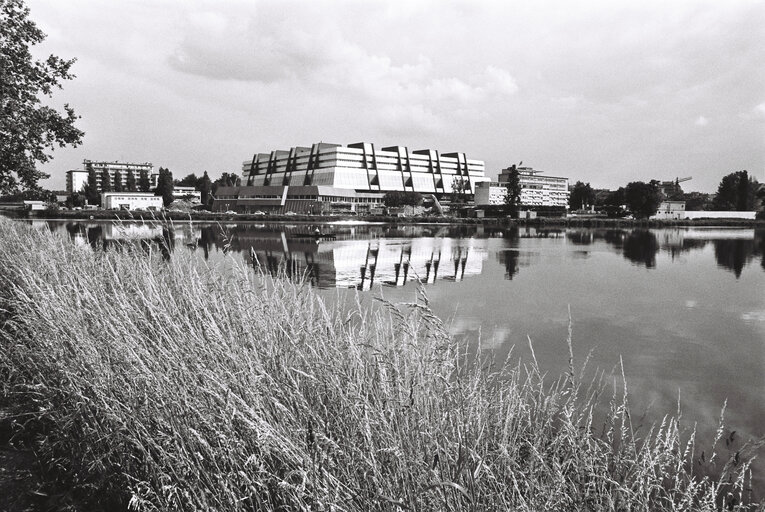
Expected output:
{"points": [[190, 180], [165, 186], [118, 181], [582, 196], [642, 199], [144, 184], [91, 187], [29, 130], [513, 197], [736, 191], [106, 181], [205, 188], [130, 183]]}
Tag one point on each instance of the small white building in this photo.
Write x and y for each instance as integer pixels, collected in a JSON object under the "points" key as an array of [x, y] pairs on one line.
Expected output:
{"points": [[34, 205], [672, 210], [490, 193], [191, 192], [130, 201]]}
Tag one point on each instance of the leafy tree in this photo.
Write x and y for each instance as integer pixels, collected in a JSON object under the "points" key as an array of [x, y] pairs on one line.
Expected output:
{"points": [[91, 188], [106, 182], [696, 201], [205, 187], [117, 181], [459, 188], [736, 191], [29, 131], [144, 185], [35, 194], [130, 183], [190, 180], [642, 199], [76, 200], [513, 197], [165, 186], [398, 198], [582, 196], [226, 180]]}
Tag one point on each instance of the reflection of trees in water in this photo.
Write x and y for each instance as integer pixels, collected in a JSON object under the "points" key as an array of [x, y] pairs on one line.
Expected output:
{"points": [[96, 238], [640, 246], [759, 244], [509, 258], [734, 254], [581, 237]]}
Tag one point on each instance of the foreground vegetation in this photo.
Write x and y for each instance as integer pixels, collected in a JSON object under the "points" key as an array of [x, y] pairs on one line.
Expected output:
{"points": [[167, 386]]}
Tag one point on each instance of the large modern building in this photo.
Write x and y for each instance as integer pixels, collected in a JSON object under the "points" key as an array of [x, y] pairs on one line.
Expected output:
{"points": [[327, 177], [77, 178]]}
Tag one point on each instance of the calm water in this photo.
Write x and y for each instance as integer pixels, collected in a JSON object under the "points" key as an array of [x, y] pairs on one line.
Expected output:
{"points": [[683, 308]]}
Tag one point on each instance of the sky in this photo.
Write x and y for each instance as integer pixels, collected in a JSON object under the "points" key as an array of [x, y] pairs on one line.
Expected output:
{"points": [[602, 92]]}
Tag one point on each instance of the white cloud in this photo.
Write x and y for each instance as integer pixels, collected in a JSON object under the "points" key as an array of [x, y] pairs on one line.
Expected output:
{"points": [[702, 121]]}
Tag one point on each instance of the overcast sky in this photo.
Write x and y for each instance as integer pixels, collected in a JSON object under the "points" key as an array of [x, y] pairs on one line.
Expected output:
{"points": [[603, 92]]}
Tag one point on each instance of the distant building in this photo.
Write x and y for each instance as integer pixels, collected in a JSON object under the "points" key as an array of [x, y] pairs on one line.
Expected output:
{"points": [[77, 178], [539, 190], [34, 205], [130, 201], [490, 193], [180, 192], [326, 177], [670, 210]]}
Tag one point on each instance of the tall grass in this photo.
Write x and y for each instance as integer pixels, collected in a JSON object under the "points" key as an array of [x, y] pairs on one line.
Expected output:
{"points": [[170, 386]]}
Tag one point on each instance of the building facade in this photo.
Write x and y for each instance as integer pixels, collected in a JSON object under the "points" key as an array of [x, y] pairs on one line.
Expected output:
{"points": [[130, 201], [537, 190], [670, 210], [181, 192], [353, 177], [490, 193], [77, 178]]}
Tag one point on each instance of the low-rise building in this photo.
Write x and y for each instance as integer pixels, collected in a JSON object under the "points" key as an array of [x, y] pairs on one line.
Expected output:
{"points": [[181, 192], [670, 210], [131, 201]]}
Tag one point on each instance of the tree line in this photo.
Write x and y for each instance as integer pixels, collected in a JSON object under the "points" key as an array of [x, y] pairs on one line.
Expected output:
{"points": [[737, 191]]}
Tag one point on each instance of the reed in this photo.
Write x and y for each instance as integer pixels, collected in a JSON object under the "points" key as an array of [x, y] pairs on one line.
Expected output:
{"points": [[172, 386]]}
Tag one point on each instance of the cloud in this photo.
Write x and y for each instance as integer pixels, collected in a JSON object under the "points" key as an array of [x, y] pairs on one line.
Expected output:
{"points": [[702, 121]]}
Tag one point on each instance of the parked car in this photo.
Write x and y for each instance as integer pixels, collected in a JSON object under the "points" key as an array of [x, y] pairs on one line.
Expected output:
{"points": [[258, 213], [230, 212], [290, 213]]}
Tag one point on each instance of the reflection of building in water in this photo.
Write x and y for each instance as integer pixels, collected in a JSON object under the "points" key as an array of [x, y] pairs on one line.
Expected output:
{"points": [[363, 263], [131, 231]]}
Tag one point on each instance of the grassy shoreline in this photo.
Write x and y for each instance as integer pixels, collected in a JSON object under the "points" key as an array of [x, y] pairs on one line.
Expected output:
{"points": [[162, 386]]}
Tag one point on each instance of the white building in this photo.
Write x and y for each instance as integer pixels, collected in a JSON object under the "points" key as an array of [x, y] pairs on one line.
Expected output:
{"points": [[180, 192], [539, 190], [490, 193], [130, 201], [670, 210], [77, 178]]}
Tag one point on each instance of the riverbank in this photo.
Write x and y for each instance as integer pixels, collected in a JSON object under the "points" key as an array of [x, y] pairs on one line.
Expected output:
{"points": [[205, 216], [171, 387]]}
